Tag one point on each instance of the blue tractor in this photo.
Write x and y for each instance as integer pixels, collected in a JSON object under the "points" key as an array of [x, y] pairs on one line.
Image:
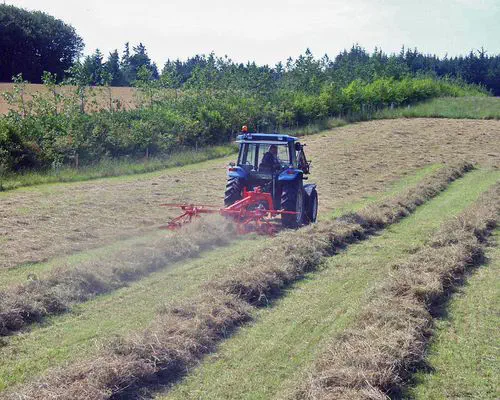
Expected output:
{"points": [[277, 165]]}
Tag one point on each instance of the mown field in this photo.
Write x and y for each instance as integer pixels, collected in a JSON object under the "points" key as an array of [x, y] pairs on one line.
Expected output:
{"points": [[447, 107], [100, 96], [98, 303]]}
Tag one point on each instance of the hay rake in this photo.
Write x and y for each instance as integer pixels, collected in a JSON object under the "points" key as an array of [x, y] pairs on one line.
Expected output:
{"points": [[253, 213]]}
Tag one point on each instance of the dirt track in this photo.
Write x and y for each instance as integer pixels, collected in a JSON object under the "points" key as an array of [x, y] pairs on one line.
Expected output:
{"points": [[348, 163]]}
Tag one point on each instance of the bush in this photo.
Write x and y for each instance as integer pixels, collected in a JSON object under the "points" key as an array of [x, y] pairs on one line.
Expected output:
{"points": [[53, 134], [16, 152]]}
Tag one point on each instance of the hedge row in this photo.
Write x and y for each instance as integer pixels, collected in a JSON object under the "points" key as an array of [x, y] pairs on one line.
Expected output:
{"points": [[48, 131]]}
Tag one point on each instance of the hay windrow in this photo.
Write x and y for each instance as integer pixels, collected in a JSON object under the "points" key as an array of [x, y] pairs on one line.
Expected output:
{"points": [[374, 358], [64, 286], [180, 336], [39, 224], [292, 254]]}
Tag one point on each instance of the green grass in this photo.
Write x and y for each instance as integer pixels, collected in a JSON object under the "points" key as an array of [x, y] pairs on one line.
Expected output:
{"points": [[68, 337], [448, 107], [269, 358], [114, 167], [71, 336], [464, 356]]}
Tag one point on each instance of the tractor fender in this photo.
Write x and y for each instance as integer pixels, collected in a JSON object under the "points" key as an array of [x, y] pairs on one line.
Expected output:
{"points": [[290, 175], [237, 172], [308, 189]]}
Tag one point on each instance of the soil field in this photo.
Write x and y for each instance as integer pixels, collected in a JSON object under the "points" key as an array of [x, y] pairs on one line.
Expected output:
{"points": [[125, 96], [349, 164]]}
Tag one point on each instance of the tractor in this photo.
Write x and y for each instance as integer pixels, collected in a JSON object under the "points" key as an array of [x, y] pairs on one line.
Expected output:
{"points": [[267, 182], [283, 178]]}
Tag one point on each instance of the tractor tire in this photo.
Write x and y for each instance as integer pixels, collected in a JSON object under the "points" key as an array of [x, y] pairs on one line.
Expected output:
{"points": [[293, 199], [234, 187], [312, 207]]}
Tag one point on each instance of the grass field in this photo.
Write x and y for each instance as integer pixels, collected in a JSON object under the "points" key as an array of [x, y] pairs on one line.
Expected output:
{"points": [[448, 107], [349, 164], [269, 358], [109, 224], [113, 253], [159, 298], [71, 337], [463, 359]]}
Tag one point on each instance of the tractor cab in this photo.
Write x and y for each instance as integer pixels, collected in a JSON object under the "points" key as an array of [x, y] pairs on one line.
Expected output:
{"points": [[265, 184], [253, 149], [276, 164], [289, 154]]}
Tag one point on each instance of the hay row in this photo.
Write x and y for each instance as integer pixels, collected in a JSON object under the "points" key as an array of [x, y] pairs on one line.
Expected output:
{"points": [[180, 336], [64, 286], [375, 358], [290, 256]]}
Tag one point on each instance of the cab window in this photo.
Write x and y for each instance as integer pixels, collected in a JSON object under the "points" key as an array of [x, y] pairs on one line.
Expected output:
{"points": [[283, 154], [248, 154]]}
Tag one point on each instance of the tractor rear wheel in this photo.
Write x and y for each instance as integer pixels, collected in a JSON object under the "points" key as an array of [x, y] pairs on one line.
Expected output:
{"points": [[292, 199], [234, 187]]}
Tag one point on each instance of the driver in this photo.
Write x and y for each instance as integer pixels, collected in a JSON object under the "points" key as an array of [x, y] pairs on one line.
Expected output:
{"points": [[270, 160]]}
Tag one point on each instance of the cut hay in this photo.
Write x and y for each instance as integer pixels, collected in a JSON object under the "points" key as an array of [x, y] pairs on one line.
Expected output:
{"points": [[292, 254], [181, 336], [64, 286], [374, 358]]}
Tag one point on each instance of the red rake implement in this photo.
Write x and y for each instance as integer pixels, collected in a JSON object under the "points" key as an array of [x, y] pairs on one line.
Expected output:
{"points": [[253, 213]]}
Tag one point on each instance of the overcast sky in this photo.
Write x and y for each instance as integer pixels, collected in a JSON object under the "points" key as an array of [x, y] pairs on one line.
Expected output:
{"points": [[268, 31]]}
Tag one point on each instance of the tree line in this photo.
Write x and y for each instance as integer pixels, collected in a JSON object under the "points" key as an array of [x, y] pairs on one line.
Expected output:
{"points": [[204, 100], [51, 129], [32, 42], [305, 73]]}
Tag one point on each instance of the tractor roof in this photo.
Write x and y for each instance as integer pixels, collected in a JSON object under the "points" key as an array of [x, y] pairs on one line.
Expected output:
{"points": [[271, 138]]}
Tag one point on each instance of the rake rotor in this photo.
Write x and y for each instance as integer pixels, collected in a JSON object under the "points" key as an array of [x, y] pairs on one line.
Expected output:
{"points": [[253, 213]]}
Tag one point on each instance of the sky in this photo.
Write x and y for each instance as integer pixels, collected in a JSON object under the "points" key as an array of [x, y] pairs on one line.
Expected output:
{"points": [[269, 31]]}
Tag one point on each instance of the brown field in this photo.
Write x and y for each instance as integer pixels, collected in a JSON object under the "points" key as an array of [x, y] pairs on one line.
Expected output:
{"points": [[124, 95], [349, 164]]}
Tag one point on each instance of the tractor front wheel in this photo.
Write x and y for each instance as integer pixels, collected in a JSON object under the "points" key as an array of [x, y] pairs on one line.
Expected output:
{"points": [[292, 199]]}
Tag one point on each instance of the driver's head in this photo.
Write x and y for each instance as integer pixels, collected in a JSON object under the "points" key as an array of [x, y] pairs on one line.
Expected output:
{"points": [[273, 149]]}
